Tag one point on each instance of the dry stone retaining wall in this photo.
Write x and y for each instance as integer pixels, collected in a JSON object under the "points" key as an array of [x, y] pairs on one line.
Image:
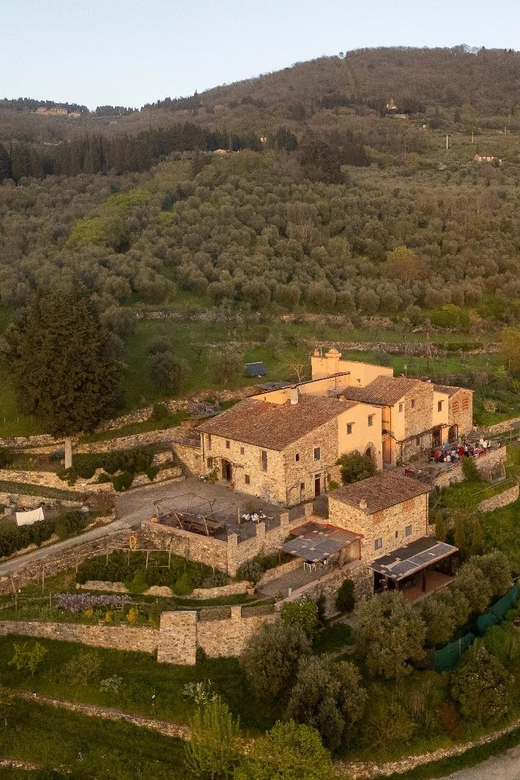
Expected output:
{"points": [[501, 499], [329, 584], [140, 639]]}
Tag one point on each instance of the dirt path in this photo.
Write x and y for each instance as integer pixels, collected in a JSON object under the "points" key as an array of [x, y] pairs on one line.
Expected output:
{"points": [[167, 728]]}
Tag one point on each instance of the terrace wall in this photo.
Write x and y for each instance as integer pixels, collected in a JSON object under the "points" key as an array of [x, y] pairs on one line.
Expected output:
{"points": [[486, 465], [176, 641]]}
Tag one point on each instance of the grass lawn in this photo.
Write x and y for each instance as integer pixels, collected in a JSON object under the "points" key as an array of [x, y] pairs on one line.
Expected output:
{"points": [[102, 749], [142, 677]]}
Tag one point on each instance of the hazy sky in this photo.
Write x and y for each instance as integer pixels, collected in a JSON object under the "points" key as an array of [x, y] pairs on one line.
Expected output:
{"points": [[130, 52]]}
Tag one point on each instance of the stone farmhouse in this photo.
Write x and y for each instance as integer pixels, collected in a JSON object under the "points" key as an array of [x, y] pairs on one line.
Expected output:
{"points": [[283, 445]]}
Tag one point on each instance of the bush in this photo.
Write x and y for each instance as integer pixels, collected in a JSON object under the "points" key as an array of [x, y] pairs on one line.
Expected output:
{"points": [[390, 633], [6, 458], [480, 684], [159, 413], [329, 697], [152, 472], [270, 658], [302, 613], [184, 586], [122, 481], [287, 751], [345, 601], [470, 471], [355, 467], [215, 580]]}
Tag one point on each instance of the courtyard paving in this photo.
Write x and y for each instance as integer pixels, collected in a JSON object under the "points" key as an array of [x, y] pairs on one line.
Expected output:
{"points": [[503, 767]]}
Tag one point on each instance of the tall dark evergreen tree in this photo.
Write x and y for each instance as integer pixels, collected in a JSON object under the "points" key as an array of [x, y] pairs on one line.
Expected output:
{"points": [[57, 356]]}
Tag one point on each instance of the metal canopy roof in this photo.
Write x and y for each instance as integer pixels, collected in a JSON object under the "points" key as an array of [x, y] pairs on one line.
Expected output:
{"points": [[412, 558], [317, 542]]}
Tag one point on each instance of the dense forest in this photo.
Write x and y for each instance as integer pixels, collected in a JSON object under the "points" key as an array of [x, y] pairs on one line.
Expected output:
{"points": [[350, 185]]}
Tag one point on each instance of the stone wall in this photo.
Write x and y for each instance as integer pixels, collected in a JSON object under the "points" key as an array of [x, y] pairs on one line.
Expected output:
{"points": [[23, 499], [233, 589], [189, 455], [140, 639], [329, 584], [181, 633], [486, 465], [280, 571], [501, 499], [460, 410]]}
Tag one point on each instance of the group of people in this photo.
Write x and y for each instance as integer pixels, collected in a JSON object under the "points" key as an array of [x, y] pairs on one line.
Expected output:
{"points": [[453, 452]]}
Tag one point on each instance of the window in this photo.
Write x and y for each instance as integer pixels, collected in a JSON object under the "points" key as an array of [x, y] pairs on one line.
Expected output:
{"points": [[317, 453], [209, 463], [400, 407], [418, 441], [241, 450], [408, 530], [371, 420], [465, 404], [350, 426], [247, 479], [264, 460], [412, 403], [378, 543], [440, 405], [209, 441], [297, 457], [228, 444], [302, 488], [397, 534]]}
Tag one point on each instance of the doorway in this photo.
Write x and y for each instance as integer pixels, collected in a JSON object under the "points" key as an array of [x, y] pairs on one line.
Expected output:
{"points": [[317, 485], [437, 436], [387, 450], [227, 471], [453, 433]]}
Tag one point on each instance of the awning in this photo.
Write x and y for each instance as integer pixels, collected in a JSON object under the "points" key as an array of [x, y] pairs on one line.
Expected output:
{"points": [[315, 542], [413, 557]]}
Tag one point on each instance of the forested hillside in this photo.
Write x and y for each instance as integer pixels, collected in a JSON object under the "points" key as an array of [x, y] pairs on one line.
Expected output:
{"points": [[327, 188]]}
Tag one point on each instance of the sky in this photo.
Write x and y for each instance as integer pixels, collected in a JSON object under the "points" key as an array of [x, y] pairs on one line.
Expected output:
{"points": [[131, 52]]}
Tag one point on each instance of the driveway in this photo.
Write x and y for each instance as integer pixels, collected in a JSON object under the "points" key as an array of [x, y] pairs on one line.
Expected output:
{"points": [[503, 767], [226, 504], [8, 567]]}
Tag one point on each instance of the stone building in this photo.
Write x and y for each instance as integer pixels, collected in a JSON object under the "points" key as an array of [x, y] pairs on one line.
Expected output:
{"points": [[389, 512], [283, 446]]}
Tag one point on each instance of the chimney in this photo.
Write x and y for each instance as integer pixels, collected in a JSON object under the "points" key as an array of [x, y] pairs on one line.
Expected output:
{"points": [[294, 396], [363, 503]]}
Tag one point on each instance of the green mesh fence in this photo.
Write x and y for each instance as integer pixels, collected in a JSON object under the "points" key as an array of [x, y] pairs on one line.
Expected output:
{"points": [[448, 656]]}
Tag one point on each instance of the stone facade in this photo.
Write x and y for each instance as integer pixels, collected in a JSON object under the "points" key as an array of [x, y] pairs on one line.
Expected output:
{"points": [[387, 528], [189, 455], [492, 463]]}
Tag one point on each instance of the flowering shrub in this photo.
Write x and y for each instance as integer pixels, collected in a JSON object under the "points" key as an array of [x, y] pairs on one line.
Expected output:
{"points": [[79, 602]]}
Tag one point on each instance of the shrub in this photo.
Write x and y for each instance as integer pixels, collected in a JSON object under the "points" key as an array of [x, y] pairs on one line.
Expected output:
{"points": [[449, 720], [473, 584], [6, 458], [440, 617], [138, 583], [215, 580], [159, 413], [122, 481], [355, 467], [387, 723], [345, 601], [183, 586], [390, 633], [28, 657], [287, 751], [270, 658], [480, 684], [470, 471], [82, 667], [302, 613], [152, 472], [327, 696]]}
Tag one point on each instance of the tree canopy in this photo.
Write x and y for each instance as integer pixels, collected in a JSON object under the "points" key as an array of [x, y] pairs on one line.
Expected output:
{"points": [[56, 354]]}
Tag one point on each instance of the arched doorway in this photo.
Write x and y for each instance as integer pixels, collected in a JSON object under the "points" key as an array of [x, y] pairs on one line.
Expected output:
{"points": [[453, 433], [227, 471], [370, 453]]}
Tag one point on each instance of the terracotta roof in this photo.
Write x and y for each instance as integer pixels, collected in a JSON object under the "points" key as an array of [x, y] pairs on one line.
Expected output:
{"points": [[380, 492], [449, 389], [274, 426], [383, 391]]}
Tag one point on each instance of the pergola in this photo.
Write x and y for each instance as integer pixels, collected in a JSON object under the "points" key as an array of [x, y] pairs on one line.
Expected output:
{"points": [[414, 558]]}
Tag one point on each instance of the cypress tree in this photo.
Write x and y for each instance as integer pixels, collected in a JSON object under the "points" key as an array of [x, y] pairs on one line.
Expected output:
{"points": [[59, 366]]}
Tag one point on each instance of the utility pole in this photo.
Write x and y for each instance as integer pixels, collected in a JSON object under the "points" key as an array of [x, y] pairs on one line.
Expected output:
{"points": [[447, 141], [472, 136]]}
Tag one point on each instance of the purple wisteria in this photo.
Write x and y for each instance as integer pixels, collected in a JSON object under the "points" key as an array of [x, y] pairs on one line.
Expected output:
{"points": [[78, 602]]}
